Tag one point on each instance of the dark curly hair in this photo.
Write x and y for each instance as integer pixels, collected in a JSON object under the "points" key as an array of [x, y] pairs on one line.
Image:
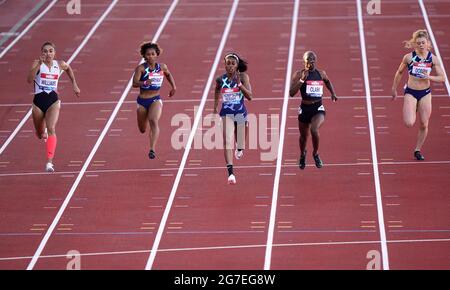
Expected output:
{"points": [[150, 45]]}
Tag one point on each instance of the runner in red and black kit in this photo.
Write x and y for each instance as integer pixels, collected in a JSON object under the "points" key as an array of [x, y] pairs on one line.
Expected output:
{"points": [[311, 113]]}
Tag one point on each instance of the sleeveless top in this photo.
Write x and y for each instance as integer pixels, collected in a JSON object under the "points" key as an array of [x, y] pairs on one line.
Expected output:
{"points": [[154, 77], [419, 67], [232, 97], [312, 88], [46, 79]]}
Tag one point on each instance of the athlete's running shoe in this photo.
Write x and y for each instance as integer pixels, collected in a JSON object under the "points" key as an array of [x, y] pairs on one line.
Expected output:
{"points": [[317, 160], [49, 167], [238, 154], [302, 161], [152, 154], [418, 155], [231, 179]]}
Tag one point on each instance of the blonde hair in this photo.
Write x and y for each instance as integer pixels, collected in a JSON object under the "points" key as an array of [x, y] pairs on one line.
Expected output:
{"points": [[421, 33]]}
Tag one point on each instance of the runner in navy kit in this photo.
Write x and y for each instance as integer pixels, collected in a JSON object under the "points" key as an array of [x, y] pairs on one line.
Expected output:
{"points": [[149, 77], [311, 115], [45, 73], [417, 98], [233, 87]]}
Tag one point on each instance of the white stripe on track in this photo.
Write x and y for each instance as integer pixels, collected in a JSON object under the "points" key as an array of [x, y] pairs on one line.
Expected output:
{"points": [[86, 164], [273, 210], [27, 28], [373, 146], [74, 55], [198, 116], [433, 40]]}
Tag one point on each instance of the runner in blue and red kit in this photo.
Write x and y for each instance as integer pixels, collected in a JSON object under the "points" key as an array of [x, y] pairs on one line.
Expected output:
{"points": [[311, 114], [149, 77]]}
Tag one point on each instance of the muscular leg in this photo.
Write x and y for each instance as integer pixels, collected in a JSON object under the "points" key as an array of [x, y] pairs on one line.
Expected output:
{"points": [[409, 110], [316, 123], [51, 118], [142, 118], [304, 133], [154, 113], [228, 139], [424, 110], [38, 121]]}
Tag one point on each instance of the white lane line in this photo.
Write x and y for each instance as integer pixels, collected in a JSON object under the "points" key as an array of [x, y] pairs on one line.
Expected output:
{"points": [[13, 30], [260, 99], [27, 28], [210, 248], [384, 249], [74, 55], [97, 144], [209, 82], [262, 166], [273, 209], [435, 45]]}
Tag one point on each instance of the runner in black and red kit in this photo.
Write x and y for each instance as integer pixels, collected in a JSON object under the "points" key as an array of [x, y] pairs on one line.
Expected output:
{"points": [[311, 114]]}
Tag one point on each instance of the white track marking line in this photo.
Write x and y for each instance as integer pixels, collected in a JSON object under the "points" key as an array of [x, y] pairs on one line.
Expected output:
{"points": [[273, 209], [99, 141], [230, 248], [435, 45], [74, 55], [27, 28], [261, 99], [13, 30], [209, 82], [362, 163], [384, 249]]}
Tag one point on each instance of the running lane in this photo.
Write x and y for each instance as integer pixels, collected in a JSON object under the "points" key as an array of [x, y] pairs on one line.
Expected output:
{"points": [[327, 218], [30, 202], [14, 66], [415, 194], [226, 226], [123, 191], [15, 16]]}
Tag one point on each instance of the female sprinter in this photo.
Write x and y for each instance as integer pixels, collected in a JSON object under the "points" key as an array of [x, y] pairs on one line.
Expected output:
{"points": [[233, 86], [311, 114], [149, 77], [417, 98], [45, 73]]}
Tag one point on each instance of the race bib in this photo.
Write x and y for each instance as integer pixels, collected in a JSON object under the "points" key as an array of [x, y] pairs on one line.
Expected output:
{"points": [[156, 79], [49, 81], [314, 88], [231, 96], [421, 68]]}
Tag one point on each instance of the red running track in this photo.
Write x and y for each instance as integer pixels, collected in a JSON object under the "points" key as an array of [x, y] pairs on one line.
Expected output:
{"points": [[325, 219]]}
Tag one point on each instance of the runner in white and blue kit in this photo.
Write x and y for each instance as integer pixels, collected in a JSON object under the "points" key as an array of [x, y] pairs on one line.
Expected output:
{"points": [[233, 87], [419, 63]]}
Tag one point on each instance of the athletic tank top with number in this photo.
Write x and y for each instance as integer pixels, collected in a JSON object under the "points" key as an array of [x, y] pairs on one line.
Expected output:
{"points": [[46, 79], [419, 67], [153, 77], [312, 88]]}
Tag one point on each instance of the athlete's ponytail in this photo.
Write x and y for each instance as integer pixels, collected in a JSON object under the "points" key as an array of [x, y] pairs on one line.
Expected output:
{"points": [[421, 33]]}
